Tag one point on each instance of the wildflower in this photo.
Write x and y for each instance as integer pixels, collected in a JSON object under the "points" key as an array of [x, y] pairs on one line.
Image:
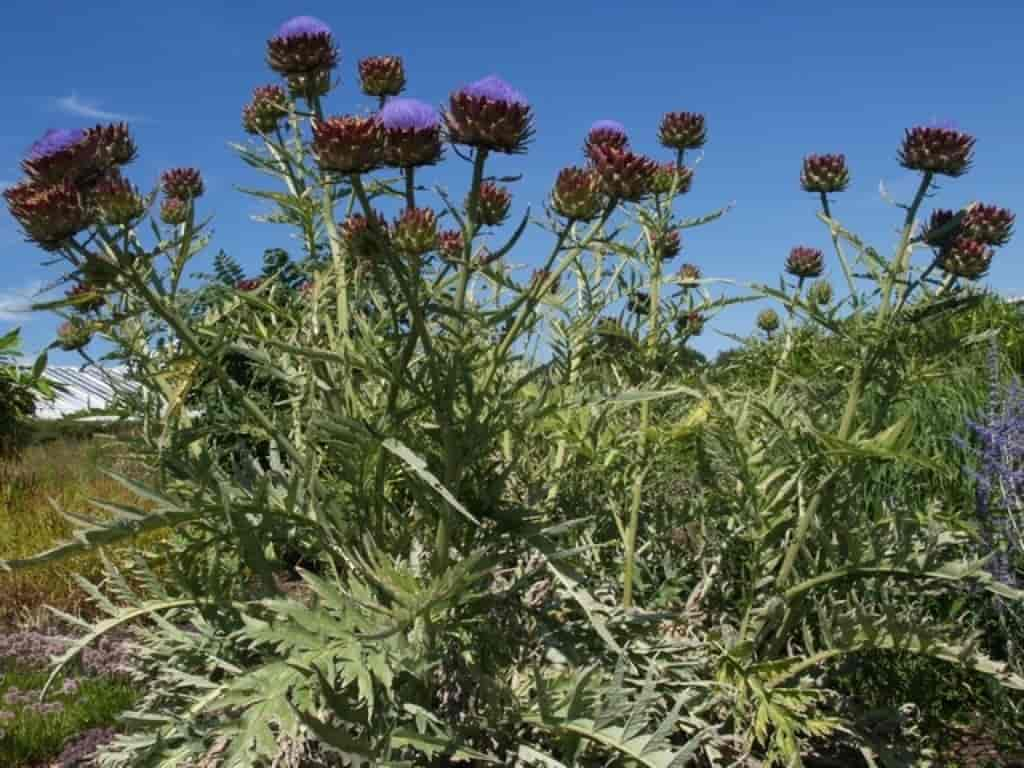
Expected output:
{"points": [[117, 202], [450, 244], [490, 114], [939, 231], [691, 324], [989, 224], [623, 174], [114, 145], [268, 106], [820, 293], [363, 241], [937, 150], [61, 155], [689, 273], [824, 173], [50, 215], [72, 335], [412, 133], [85, 297], [174, 211], [682, 130], [966, 258], [768, 321], [804, 262], [667, 245], [382, 75], [667, 174], [349, 144], [182, 183], [577, 194], [493, 204], [415, 231], [605, 133], [303, 51]]}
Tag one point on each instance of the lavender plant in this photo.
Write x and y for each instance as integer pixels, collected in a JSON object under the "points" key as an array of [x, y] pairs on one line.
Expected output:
{"points": [[486, 528]]}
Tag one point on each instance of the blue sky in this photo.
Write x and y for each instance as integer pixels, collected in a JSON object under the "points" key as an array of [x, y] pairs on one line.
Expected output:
{"points": [[776, 81]]}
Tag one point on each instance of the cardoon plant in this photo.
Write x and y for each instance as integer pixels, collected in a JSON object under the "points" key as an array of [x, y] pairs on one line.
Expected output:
{"points": [[416, 493]]}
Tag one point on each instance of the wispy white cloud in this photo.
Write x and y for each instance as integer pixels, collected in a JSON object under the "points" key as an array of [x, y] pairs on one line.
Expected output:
{"points": [[74, 105], [15, 305]]}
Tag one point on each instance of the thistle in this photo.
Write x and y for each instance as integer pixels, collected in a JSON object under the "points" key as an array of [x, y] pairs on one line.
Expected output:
{"points": [[937, 150], [820, 293], [768, 321], [667, 174], [989, 224], [824, 173], [363, 241], [605, 133], [667, 245], [61, 155], [577, 194], [349, 144], [450, 244], [249, 284], [682, 130], [382, 76], [49, 215], [804, 262], [114, 145], [415, 231], [117, 202], [268, 106], [85, 297], [623, 174], [490, 114], [412, 133], [937, 232], [689, 274], [303, 51], [182, 183], [73, 335], [174, 211], [493, 204], [966, 258]]}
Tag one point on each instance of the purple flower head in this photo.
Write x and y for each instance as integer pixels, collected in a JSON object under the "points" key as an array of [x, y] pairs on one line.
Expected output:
{"points": [[302, 26], [607, 127], [494, 88], [55, 140], [408, 114]]}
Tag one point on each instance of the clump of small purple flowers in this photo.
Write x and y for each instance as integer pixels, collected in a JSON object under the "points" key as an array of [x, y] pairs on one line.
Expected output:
{"points": [[82, 749], [303, 51], [605, 133], [490, 114]]}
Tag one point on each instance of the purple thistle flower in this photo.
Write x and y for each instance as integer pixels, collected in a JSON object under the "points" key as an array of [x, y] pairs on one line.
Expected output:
{"points": [[608, 126], [409, 114], [302, 26], [494, 88], [55, 140]]}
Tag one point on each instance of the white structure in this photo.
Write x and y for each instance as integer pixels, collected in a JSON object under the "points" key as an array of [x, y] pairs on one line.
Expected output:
{"points": [[83, 390]]}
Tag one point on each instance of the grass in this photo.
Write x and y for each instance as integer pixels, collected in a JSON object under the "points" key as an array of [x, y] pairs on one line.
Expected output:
{"points": [[30, 737], [60, 468]]}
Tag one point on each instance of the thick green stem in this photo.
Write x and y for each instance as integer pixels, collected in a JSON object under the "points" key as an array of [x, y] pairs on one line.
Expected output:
{"points": [[901, 263], [854, 300]]}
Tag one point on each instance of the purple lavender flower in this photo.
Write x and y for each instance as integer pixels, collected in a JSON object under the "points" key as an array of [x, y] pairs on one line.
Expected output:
{"points": [[608, 126], [494, 88], [409, 114], [83, 748], [55, 140], [300, 26]]}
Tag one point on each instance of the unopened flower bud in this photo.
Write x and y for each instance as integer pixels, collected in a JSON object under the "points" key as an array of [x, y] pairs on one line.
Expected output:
{"points": [[768, 321], [938, 231], [689, 273], [174, 211], [49, 214], [349, 144], [805, 262], [668, 174], [691, 324], [382, 75], [269, 105], [825, 173], [682, 130], [118, 203], [820, 293], [248, 284], [450, 245], [989, 224], [73, 335], [182, 183], [577, 194], [965, 258], [364, 242], [937, 150], [667, 245], [493, 204], [623, 174], [605, 133], [415, 231]]}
